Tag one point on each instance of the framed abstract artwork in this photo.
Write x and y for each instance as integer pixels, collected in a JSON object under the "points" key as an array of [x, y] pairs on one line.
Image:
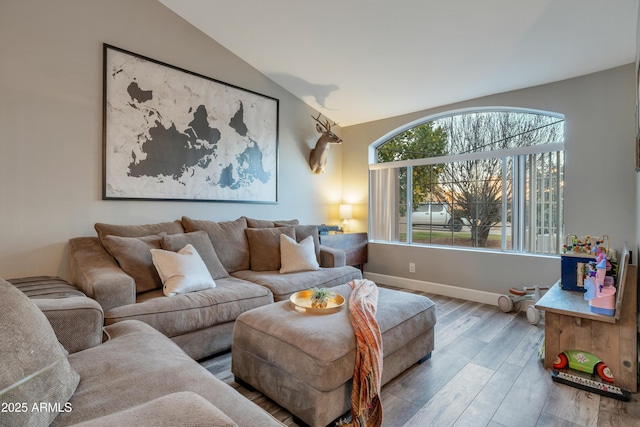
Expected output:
{"points": [[171, 134]]}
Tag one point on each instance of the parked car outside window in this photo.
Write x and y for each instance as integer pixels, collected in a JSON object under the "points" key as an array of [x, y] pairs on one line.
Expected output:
{"points": [[437, 214]]}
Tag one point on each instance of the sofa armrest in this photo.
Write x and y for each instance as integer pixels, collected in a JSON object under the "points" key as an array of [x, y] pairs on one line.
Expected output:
{"points": [[93, 270], [77, 321], [170, 410], [331, 257]]}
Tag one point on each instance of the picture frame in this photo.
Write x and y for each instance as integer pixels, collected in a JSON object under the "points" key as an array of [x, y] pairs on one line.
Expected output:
{"points": [[637, 115], [172, 134]]}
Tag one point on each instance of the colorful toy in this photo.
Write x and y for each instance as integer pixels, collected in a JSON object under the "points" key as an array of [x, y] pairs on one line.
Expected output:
{"points": [[576, 255], [508, 303], [583, 362], [600, 291], [586, 245], [587, 362]]}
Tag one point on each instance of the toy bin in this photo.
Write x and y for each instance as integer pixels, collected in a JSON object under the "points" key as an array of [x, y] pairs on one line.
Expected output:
{"points": [[573, 270]]}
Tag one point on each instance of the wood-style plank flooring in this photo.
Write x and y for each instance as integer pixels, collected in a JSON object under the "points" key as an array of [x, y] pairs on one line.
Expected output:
{"points": [[485, 371]]}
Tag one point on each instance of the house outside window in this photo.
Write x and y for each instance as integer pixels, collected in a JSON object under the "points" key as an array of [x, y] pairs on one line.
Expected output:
{"points": [[491, 179]]}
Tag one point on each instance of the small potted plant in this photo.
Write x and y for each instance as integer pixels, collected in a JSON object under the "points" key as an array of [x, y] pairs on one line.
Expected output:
{"points": [[320, 297]]}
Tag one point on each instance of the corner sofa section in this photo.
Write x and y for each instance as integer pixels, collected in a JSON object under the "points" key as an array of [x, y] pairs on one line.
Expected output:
{"points": [[243, 257], [136, 377]]}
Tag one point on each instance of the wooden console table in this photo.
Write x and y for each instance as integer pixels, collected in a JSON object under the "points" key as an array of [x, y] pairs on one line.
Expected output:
{"points": [[354, 244], [570, 325]]}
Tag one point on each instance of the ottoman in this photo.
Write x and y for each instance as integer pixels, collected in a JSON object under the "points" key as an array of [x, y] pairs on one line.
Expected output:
{"points": [[305, 362]]}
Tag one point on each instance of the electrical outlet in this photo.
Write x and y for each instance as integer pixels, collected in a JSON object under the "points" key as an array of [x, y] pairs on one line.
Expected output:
{"points": [[412, 267]]}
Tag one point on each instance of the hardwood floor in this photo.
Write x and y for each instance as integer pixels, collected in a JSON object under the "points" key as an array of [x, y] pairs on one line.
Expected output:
{"points": [[485, 371]]}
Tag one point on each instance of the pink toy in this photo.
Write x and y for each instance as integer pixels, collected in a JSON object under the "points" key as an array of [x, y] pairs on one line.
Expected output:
{"points": [[600, 293]]}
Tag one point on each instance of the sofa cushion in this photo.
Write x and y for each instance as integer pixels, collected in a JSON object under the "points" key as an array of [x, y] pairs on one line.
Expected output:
{"points": [[105, 230], [202, 243], [182, 408], [186, 313], [137, 365], [182, 271], [283, 285], [228, 240], [263, 223], [133, 254], [296, 256], [264, 246], [33, 365]]}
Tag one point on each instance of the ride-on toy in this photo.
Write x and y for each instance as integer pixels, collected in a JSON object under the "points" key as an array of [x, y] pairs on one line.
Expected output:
{"points": [[584, 362], [508, 303], [587, 362]]}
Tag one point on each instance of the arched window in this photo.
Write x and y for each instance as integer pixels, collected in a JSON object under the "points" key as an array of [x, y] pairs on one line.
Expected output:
{"points": [[485, 179]]}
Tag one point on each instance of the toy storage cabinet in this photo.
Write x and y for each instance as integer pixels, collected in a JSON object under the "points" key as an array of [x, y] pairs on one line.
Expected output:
{"points": [[570, 325]]}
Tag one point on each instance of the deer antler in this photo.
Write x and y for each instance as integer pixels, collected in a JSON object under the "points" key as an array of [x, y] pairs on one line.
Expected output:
{"points": [[326, 124]]}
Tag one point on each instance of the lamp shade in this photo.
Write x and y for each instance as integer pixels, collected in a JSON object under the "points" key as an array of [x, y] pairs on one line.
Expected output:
{"points": [[346, 212]]}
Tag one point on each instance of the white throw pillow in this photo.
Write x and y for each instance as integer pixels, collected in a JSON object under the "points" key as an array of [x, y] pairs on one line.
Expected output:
{"points": [[181, 272], [297, 256]]}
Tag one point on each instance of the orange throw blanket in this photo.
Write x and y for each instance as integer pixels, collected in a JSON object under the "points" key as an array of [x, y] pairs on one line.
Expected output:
{"points": [[366, 408]]}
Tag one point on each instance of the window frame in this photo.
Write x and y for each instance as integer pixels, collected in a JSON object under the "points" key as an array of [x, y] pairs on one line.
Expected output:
{"points": [[519, 155]]}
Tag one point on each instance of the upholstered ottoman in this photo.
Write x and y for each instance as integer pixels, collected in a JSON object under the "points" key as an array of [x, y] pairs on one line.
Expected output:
{"points": [[305, 362]]}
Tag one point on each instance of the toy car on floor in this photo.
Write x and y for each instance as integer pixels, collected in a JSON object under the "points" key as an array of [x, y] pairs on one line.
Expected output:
{"points": [[587, 362], [583, 362]]}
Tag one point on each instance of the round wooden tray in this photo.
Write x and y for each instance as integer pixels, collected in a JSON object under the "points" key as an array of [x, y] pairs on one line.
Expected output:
{"points": [[301, 301]]}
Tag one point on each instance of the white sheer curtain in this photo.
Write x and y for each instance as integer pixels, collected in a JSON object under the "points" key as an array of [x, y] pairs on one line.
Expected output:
{"points": [[384, 204]]}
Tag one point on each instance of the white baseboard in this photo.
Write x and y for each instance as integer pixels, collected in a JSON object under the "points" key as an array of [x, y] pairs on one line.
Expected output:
{"points": [[435, 288]]}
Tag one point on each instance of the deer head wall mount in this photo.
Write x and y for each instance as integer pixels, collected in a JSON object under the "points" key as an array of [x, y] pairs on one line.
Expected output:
{"points": [[318, 156]]}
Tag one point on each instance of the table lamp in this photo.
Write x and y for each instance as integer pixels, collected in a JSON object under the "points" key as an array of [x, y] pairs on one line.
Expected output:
{"points": [[346, 213]]}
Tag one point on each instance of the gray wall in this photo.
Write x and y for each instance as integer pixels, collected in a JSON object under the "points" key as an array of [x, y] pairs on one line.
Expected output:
{"points": [[51, 127], [600, 185]]}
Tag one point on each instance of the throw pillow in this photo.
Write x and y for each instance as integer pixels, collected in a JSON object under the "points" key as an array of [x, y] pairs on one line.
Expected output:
{"points": [[264, 247], [201, 242], [228, 239], [286, 222], [33, 366], [265, 223], [304, 231], [181, 272], [105, 230], [297, 256], [133, 256]]}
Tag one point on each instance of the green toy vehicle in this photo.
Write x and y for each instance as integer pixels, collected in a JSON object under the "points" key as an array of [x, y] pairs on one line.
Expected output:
{"points": [[584, 362]]}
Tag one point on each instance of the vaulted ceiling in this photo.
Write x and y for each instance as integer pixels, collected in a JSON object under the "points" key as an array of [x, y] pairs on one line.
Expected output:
{"points": [[362, 60]]}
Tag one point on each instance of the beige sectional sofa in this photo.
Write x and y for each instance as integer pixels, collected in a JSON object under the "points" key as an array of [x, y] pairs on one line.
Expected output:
{"points": [[137, 377], [243, 256]]}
